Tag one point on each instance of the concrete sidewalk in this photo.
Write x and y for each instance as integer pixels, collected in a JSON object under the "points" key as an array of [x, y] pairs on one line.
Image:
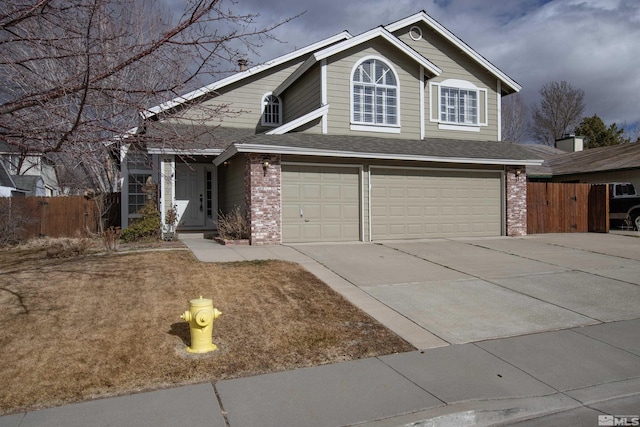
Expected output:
{"points": [[537, 331], [574, 374]]}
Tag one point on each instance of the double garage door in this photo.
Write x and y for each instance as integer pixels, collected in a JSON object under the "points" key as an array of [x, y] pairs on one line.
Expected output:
{"points": [[324, 203]]}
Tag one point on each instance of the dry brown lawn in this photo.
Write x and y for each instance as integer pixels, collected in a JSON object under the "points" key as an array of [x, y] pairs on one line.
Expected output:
{"points": [[97, 325]]}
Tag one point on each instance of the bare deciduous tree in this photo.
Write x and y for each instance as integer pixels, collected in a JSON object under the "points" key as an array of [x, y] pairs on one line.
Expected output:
{"points": [[77, 72], [560, 110], [514, 118]]}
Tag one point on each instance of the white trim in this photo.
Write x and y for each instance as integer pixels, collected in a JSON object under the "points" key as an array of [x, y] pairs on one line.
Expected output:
{"points": [[499, 106], [241, 75], [448, 35], [484, 122], [368, 127], [418, 32], [421, 96], [461, 128], [277, 149], [124, 188], [324, 94], [186, 152], [358, 166], [375, 128], [163, 193], [280, 113], [352, 42], [320, 112]]}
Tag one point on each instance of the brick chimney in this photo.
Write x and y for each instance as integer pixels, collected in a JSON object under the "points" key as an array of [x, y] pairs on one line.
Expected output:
{"points": [[242, 64]]}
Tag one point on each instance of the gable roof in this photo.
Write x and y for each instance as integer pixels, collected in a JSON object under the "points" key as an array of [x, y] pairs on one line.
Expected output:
{"points": [[452, 38], [352, 42], [176, 102], [5, 177], [345, 146]]}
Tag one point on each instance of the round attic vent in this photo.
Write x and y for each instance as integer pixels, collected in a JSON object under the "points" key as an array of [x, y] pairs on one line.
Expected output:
{"points": [[415, 33]]}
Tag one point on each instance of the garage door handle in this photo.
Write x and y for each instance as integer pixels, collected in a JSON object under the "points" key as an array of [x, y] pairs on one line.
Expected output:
{"points": [[306, 220]]}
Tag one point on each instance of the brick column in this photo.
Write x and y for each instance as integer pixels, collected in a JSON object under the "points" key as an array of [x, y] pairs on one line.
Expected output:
{"points": [[263, 201], [516, 194]]}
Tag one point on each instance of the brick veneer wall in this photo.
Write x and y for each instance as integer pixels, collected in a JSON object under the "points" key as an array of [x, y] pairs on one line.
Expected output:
{"points": [[263, 201], [516, 193]]}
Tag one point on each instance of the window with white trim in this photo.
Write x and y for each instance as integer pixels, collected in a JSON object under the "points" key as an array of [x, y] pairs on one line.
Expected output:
{"points": [[271, 110], [458, 106], [375, 94]]}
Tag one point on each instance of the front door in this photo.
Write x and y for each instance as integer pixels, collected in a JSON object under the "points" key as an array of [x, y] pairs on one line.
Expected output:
{"points": [[190, 191]]}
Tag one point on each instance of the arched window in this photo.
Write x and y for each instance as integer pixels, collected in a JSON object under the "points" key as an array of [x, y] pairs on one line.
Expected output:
{"points": [[375, 94], [271, 110]]}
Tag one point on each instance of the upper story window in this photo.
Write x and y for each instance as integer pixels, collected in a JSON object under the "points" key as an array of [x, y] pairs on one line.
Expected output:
{"points": [[458, 105], [271, 110], [374, 94]]}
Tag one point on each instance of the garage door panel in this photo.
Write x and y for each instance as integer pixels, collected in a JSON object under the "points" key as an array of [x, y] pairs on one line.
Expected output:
{"points": [[427, 203], [325, 208]]}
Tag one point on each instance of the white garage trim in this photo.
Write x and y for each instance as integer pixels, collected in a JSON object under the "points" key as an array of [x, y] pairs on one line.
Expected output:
{"points": [[380, 169]]}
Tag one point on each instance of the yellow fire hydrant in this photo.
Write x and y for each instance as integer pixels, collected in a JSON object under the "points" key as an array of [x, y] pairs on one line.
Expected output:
{"points": [[200, 317]]}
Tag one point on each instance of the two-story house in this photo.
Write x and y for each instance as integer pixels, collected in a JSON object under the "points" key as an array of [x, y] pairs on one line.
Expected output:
{"points": [[390, 134]]}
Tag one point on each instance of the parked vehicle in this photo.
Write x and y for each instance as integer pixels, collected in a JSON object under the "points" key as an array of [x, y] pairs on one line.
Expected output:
{"points": [[624, 205]]}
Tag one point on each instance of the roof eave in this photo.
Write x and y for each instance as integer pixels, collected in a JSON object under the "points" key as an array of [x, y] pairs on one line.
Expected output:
{"points": [[278, 149], [186, 152], [176, 102]]}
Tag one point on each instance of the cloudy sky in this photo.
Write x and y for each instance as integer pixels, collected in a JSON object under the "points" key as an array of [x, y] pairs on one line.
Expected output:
{"points": [[592, 44]]}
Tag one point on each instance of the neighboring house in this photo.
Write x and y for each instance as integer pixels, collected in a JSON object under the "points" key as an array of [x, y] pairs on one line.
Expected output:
{"points": [[33, 172], [617, 163], [8, 187], [390, 134]]}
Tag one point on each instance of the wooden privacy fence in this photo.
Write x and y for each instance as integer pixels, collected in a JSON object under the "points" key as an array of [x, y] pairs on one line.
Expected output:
{"points": [[64, 216], [567, 208]]}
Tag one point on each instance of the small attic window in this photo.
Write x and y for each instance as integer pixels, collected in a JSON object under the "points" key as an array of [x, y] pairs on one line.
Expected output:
{"points": [[415, 33], [271, 110]]}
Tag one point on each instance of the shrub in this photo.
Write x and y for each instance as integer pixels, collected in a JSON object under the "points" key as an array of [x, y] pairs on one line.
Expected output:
{"points": [[233, 225], [145, 227], [67, 248]]}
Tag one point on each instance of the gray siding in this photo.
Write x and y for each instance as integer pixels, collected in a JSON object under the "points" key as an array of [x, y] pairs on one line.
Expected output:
{"points": [[454, 65], [243, 100], [231, 190], [304, 96]]}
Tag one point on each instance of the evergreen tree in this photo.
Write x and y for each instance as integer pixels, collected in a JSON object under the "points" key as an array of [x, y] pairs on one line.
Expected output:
{"points": [[597, 134]]}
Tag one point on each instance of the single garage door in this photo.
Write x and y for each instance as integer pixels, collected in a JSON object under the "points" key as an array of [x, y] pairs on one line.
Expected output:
{"points": [[320, 203], [418, 203]]}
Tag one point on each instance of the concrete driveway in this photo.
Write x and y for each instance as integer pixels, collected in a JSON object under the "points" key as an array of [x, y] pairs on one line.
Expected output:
{"points": [[468, 290]]}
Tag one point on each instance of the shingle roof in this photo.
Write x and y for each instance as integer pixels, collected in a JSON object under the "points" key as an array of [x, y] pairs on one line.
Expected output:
{"points": [[432, 149], [169, 137], [545, 152], [617, 157]]}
